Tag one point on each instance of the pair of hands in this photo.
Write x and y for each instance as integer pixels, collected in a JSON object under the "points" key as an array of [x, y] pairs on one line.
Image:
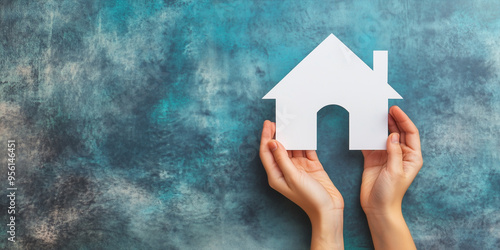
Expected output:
{"points": [[299, 176]]}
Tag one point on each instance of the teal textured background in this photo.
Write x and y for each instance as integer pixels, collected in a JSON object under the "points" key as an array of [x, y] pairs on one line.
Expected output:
{"points": [[138, 122]]}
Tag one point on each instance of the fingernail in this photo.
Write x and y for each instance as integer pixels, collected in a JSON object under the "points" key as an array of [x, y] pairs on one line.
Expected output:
{"points": [[395, 138], [273, 146]]}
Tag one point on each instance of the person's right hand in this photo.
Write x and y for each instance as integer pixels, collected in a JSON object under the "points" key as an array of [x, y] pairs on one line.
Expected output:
{"points": [[386, 177]]}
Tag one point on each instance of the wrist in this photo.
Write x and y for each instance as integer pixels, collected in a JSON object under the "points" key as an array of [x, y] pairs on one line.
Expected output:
{"points": [[389, 229], [383, 213], [381, 221], [327, 230]]}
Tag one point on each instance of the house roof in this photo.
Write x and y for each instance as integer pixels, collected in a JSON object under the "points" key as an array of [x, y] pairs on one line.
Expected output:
{"points": [[333, 68]]}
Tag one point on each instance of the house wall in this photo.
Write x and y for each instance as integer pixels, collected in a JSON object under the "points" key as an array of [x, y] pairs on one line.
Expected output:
{"points": [[138, 122]]}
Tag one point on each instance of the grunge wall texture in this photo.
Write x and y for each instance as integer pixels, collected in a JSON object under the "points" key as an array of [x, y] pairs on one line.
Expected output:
{"points": [[137, 122]]}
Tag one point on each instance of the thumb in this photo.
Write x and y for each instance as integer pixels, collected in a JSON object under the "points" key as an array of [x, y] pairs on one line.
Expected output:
{"points": [[281, 158], [394, 154]]}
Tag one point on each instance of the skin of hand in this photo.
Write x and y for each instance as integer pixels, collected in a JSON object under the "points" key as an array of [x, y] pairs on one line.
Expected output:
{"points": [[386, 177], [300, 177]]}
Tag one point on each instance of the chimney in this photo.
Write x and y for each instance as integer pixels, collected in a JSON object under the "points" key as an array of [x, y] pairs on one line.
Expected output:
{"points": [[380, 64]]}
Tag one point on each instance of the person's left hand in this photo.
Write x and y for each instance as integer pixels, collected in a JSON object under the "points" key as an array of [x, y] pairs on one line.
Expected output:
{"points": [[300, 177]]}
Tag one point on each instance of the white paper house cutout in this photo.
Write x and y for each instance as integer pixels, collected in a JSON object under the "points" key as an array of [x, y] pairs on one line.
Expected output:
{"points": [[333, 75]]}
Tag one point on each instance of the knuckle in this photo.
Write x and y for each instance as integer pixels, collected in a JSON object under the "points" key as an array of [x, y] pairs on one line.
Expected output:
{"points": [[290, 180], [415, 130], [272, 183], [279, 158], [295, 179]]}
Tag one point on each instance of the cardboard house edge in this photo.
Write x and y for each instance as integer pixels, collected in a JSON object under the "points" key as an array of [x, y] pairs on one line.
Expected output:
{"points": [[391, 92]]}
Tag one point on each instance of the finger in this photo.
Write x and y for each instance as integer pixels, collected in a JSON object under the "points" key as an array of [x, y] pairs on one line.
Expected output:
{"points": [[298, 153], [393, 127], [275, 177], [407, 129], [394, 154], [268, 130], [274, 137], [311, 155], [273, 126], [281, 157], [402, 134], [266, 156]]}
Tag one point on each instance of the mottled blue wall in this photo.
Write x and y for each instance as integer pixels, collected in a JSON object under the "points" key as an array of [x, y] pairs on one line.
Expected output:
{"points": [[137, 122]]}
